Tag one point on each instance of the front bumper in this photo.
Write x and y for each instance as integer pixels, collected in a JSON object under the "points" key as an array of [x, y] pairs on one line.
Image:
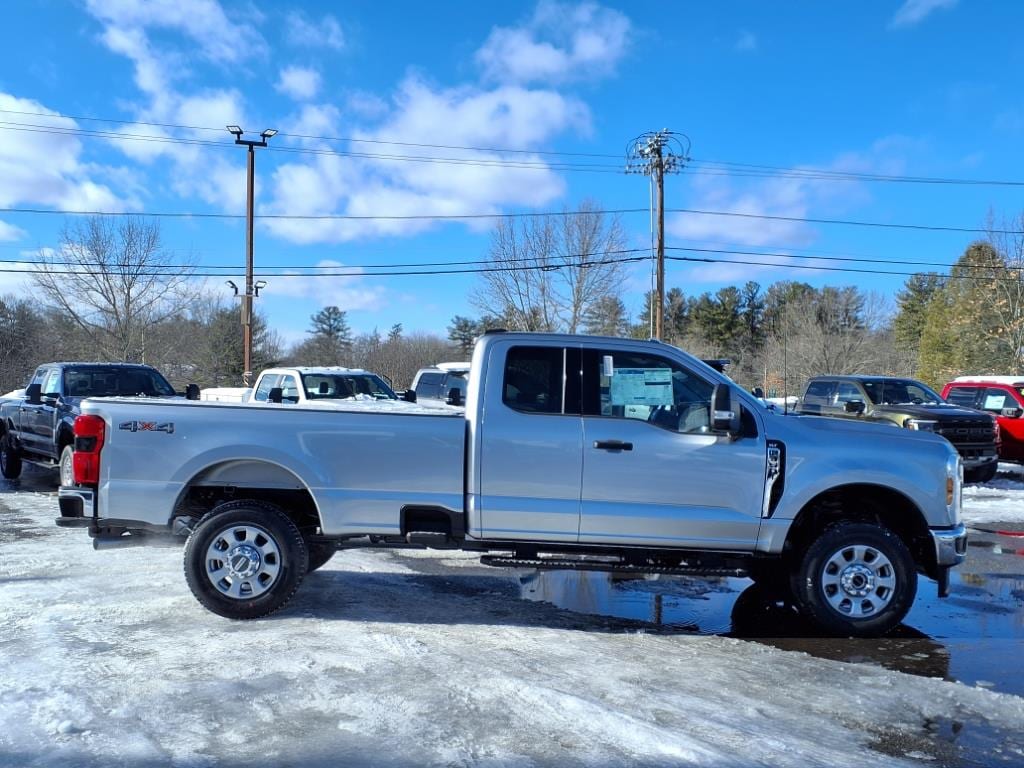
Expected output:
{"points": [[950, 545]]}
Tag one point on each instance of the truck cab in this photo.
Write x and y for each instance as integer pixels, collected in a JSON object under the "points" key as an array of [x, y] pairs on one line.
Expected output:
{"points": [[302, 385]]}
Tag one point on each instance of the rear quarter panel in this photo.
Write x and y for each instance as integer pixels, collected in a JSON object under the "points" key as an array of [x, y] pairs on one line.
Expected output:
{"points": [[360, 467]]}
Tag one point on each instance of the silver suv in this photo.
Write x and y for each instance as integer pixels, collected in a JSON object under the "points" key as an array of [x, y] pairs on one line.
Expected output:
{"points": [[444, 381]]}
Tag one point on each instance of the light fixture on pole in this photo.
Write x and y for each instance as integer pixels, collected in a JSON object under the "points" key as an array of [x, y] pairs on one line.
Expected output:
{"points": [[247, 297]]}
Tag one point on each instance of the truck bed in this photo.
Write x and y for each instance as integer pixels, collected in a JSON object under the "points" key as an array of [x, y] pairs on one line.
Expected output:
{"points": [[361, 466]]}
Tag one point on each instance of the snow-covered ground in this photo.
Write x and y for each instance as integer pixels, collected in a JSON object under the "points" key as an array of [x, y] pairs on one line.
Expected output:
{"points": [[107, 660], [1001, 500]]}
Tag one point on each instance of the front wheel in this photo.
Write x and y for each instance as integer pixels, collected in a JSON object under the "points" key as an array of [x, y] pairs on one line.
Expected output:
{"points": [[856, 579], [10, 460], [319, 554], [981, 474], [245, 559], [67, 467]]}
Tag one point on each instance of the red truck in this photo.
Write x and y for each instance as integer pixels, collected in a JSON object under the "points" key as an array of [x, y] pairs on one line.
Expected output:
{"points": [[1002, 396]]}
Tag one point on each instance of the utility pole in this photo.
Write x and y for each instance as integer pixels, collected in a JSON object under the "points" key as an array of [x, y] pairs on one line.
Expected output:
{"points": [[654, 155], [249, 290]]}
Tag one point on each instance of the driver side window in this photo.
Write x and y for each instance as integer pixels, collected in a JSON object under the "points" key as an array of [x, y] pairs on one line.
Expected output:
{"points": [[653, 389]]}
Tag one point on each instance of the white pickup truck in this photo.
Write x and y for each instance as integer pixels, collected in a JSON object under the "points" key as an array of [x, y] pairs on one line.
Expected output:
{"points": [[303, 385], [573, 452]]}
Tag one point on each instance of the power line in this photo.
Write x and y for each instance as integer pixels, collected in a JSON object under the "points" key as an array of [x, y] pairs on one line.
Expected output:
{"points": [[181, 265], [701, 167], [850, 222], [352, 139], [699, 260], [514, 215], [405, 273]]}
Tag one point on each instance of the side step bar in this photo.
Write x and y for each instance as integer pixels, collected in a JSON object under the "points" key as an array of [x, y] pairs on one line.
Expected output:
{"points": [[574, 564]]}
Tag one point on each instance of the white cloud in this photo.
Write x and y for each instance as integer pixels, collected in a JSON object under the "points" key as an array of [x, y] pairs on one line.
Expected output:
{"points": [[302, 32], [784, 197], [747, 41], [507, 116], [346, 292], [915, 11], [203, 21], [47, 168], [560, 42], [300, 83], [9, 232]]}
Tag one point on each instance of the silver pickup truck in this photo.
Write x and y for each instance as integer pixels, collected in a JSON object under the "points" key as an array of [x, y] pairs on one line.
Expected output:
{"points": [[573, 452]]}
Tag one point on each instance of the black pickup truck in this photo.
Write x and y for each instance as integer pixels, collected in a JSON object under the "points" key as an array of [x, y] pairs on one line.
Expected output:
{"points": [[38, 427]]}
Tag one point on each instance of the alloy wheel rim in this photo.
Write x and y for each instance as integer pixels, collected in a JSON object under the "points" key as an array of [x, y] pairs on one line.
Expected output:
{"points": [[243, 561], [858, 581]]}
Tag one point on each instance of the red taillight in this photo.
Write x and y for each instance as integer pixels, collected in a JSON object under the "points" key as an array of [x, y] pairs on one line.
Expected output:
{"points": [[89, 432]]}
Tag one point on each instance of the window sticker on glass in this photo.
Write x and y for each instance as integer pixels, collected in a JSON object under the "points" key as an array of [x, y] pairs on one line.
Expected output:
{"points": [[994, 402], [642, 386]]}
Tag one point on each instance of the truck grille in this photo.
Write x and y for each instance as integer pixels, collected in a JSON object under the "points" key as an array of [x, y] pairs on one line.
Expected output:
{"points": [[967, 431]]}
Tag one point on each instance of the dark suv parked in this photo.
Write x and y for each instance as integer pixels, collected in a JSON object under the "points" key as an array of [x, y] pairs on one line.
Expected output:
{"points": [[38, 427], [910, 404]]}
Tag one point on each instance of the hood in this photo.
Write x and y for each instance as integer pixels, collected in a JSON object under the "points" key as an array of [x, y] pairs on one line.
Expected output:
{"points": [[837, 428], [935, 411]]}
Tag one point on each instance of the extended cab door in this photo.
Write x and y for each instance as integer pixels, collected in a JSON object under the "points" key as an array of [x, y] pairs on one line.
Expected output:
{"points": [[654, 474], [36, 419], [530, 437]]}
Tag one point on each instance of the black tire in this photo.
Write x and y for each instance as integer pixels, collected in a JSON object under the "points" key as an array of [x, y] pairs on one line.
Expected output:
{"points": [[856, 579], [269, 561], [774, 574], [982, 474], [10, 460], [66, 466], [319, 555]]}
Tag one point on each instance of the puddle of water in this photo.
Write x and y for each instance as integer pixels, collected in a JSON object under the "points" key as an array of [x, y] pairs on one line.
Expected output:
{"points": [[967, 637]]}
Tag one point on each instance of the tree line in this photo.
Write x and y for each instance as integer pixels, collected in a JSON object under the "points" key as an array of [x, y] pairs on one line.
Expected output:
{"points": [[112, 292]]}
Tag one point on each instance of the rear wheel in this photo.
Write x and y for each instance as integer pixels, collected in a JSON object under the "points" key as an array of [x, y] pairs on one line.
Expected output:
{"points": [[67, 467], [245, 559], [856, 579], [10, 460]]}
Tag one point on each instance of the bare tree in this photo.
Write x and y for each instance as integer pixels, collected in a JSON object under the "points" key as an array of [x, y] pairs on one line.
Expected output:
{"points": [[549, 272], [1007, 285], [839, 332], [115, 281]]}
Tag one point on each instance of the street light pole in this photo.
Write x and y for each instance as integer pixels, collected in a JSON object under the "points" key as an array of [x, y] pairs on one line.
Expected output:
{"points": [[247, 297]]}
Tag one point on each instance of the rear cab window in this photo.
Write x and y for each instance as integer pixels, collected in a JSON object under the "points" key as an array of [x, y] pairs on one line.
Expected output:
{"points": [[267, 383], [818, 394], [964, 396], [535, 381]]}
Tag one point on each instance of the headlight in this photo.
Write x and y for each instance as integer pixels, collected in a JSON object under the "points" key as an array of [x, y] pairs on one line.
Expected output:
{"points": [[921, 425]]}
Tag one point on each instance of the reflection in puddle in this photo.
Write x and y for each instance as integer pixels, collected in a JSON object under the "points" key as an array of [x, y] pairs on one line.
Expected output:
{"points": [[967, 637]]}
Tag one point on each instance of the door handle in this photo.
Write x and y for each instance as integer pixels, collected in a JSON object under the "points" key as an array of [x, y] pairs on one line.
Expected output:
{"points": [[613, 445]]}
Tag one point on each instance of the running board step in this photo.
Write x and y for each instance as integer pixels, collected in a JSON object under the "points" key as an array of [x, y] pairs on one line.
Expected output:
{"points": [[572, 564]]}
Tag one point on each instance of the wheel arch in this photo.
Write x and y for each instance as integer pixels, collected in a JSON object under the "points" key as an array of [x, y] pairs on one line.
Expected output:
{"points": [[863, 502], [256, 479]]}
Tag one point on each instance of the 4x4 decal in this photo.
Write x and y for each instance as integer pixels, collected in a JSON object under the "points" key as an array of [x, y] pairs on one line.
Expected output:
{"points": [[147, 426]]}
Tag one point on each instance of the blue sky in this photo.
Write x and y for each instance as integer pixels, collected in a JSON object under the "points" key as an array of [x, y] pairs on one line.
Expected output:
{"points": [[923, 88]]}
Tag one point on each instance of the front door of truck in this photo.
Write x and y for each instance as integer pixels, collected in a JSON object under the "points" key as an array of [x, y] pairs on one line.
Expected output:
{"points": [[33, 417], [654, 473], [530, 437]]}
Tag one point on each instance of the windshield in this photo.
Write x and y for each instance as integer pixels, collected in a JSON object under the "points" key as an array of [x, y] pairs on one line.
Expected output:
{"points": [[339, 386], [107, 382], [899, 391]]}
